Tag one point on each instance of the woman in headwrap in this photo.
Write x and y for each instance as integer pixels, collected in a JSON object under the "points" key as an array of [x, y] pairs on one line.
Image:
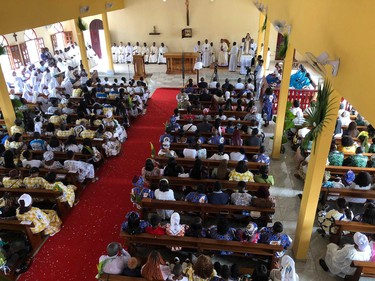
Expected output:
{"points": [[133, 224], [68, 194], [174, 228], [140, 191], [112, 146], [285, 271]]}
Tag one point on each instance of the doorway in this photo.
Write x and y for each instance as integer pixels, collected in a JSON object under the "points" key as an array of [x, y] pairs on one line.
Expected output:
{"points": [[95, 26]]}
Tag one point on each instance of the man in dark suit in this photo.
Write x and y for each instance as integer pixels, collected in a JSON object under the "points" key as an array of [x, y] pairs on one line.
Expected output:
{"points": [[202, 84]]}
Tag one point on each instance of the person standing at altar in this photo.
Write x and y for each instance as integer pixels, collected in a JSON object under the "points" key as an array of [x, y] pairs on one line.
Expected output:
{"points": [[136, 49], [233, 57], [129, 53], [223, 54], [240, 52], [145, 52], [206, 54], [153, 53], [247, 43], [198, 50], [212, 53], [121, 53], [162, 50]]}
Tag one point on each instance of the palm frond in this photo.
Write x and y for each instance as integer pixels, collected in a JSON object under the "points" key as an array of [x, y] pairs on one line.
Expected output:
{"points": [[81, 25], [319, 115], [284, 46], [2, 50], [264, 26]]}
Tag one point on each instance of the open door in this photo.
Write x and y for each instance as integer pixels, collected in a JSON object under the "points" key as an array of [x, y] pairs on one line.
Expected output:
{"points": [[95, 26]]}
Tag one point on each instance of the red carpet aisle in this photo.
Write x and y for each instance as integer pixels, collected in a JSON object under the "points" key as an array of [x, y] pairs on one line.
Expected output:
{"points": [[73, 253]]}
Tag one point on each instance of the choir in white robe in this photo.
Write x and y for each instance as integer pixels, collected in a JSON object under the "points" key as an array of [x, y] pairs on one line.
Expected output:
{"points": [[121, 53], [223, 54], [153, 54], [93, 57], [136, 50], [28, 94], [233, 58], [206, 55], [240, 52], [18, 84], [198, 50], [162, 51], [212, 54]]}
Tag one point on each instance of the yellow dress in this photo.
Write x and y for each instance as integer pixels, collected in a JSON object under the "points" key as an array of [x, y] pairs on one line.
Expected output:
{"points": [[12, 183], [68, 192], [35, 182], [235, 176], [44, 220]]}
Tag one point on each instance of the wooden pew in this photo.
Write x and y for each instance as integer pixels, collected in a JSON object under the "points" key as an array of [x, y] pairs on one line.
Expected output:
{"points": [[200, 244], [341, 170], [363, 269], [63, 209], [343, 192], [188, 162], [113, 277], [212, 148], [176, 181], [223, 122], [352, 227], [213, 113], [36, 240], [204, 209]]}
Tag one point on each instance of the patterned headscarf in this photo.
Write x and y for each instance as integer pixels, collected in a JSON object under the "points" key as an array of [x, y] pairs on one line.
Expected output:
{"points": [[138, 181]]}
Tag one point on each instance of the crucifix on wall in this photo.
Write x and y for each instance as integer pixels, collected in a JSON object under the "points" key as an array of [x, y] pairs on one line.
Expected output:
{"points": [[187, 12]]}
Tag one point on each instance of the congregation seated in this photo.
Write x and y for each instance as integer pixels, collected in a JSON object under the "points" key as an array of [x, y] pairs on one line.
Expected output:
{"points": [[263, 176], [197, 196], [116, 260], [241, 173], [164, 193], [218, 197], [222, 231], [273, 235], [356, 160]]}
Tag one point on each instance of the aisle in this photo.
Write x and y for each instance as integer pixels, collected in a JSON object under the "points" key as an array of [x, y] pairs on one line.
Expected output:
{"points": [[73, 253]]}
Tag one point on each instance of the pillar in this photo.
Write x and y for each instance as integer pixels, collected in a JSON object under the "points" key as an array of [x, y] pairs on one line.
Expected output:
{"points": [[107, 34], [313, 183], [260, 32], [6, 103], [82, 48], [266, 43], [282, 101]]}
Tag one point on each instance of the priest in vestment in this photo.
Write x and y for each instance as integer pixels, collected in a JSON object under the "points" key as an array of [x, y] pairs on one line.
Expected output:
{"points": [[153, 53], [198, 50], [240, 52], [223, 54], [136, 49], [145, 51], [162, 50], [121, 53], [206, 54], [212, 53], [233, 57], [129, 53]]}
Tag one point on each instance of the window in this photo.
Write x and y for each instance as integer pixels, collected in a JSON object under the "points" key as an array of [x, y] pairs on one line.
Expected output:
{"points": [[29, 34], [31, 49], [58, 27], [6, 59]]}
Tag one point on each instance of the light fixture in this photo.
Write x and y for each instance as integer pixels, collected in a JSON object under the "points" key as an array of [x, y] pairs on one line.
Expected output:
{"points": [[84, 9], [282, 27], [260, 6], [212, 1], [108, 5], [318, 63], [164, 0]]}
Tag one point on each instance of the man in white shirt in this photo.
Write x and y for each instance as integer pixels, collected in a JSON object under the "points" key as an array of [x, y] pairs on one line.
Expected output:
{"points": [[259, 72], [136, 49], [206, 54], [239, 85], [153, 53], [129, 53], [189, 127], [92, 56], [114, 50], [112, 263], [233, 57], [145, 51], [198, 50], [162, 50]]}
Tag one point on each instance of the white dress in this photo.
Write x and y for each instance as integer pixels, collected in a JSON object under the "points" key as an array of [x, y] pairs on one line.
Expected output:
{"points": [[339, 260]]}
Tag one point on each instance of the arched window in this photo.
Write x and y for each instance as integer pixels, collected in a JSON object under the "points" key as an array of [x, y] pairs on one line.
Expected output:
{"points": [[58, 27], [3, 41], [6, 60], [59, 38], [32, 47]]}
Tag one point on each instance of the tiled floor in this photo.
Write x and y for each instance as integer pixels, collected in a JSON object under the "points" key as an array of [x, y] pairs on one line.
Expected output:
{"points": [[287, 186]]}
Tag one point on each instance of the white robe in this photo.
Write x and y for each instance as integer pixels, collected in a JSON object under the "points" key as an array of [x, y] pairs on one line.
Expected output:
{"points": [[121, 54], [145, 51], [240, 52], [28, 93], [233, 59], [93, 58], [18, 84], [212, 54], [223, 55], [153, 54], [128, 53], [114, 51], [162, 51], [136, 50], [84, 170], [339, 260], [198, 50], [206, 55]]}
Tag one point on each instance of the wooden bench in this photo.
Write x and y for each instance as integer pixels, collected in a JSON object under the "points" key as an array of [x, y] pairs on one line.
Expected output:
{"points": [[188, 162], [228, 113], [213, 148], [341, 170], [204, 244], [352, 227], [176, 181], [363, 269], [223, 122], [63, 208], [344, 192], [205, 209]]}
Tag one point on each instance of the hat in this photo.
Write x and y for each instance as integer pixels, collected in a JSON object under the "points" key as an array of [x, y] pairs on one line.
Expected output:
{"points": [[166, 144], [132, 263], [164, 179], [26, 198], [48, 155], [360, 240], [349, 177], [251, 229], [138, 181]]}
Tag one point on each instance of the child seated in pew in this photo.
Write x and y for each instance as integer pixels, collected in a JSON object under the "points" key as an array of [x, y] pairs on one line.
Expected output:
{"points": [[155, 228], [133, 224]]}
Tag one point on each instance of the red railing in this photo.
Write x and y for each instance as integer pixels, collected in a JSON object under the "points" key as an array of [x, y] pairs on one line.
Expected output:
{"points": [[303, 96]]}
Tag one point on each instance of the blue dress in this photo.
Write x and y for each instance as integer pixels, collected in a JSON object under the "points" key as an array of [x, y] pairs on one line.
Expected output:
{"points": [[268, 101], [229, 236]]}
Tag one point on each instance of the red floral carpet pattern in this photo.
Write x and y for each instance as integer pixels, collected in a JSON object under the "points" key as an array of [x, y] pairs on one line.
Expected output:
{"points": [[73, 253]]}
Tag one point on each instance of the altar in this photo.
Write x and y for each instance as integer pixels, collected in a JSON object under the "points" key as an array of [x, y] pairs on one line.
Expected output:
{"points": [[176, 61], [245, 62]]}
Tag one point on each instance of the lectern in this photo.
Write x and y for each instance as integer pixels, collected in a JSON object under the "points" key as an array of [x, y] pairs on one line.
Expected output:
{"points": [[139, 67]]}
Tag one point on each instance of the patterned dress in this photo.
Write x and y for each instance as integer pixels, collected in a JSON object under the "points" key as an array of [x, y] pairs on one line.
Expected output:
{"points": [[43, 220], [229, 236], [267, 236], [68, 192], [35, 182], [335, 158], [235, 176]]}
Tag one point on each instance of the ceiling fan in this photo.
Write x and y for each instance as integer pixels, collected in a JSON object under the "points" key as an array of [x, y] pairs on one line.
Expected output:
{"points": [[318, 63]]}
